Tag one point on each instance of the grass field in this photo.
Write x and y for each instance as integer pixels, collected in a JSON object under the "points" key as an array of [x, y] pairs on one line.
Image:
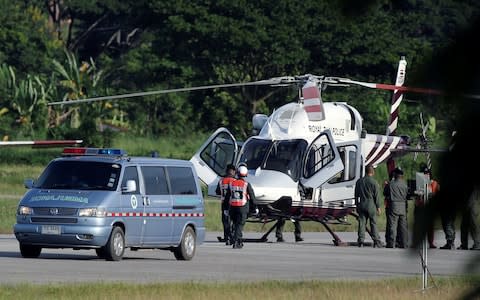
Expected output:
{"points": [[404, 288]]}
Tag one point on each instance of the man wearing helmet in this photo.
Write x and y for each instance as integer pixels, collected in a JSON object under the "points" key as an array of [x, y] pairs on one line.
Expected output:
{"points": [[241, 196]]}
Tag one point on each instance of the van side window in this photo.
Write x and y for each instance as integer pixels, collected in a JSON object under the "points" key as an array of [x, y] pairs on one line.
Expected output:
{"points": [[155, 180], [130, 173], [182, 181]]}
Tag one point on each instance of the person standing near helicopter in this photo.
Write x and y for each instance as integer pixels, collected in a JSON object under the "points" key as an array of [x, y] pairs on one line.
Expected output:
{"points": [[397, 227], [223, 191], [241, 196], [367, 201]]}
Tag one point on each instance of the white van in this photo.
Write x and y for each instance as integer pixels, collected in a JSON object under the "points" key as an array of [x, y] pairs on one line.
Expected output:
{"points": [[103, 199]]}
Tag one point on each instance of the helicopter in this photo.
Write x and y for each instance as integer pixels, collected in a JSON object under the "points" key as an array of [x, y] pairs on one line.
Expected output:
{"points": [[304, 159]]}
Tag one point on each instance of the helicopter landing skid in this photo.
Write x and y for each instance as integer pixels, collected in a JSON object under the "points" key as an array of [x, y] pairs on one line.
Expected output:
{"points": [[336, 240]]}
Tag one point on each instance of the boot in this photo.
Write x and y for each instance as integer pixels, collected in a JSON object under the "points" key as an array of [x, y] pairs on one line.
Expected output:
{"points": [[449, 245], [238, 245]]}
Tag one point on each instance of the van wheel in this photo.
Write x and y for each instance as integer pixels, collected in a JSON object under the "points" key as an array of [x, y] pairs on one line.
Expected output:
{"points": [[101, 252], [30, 251], [186, 249], [115, 246]]}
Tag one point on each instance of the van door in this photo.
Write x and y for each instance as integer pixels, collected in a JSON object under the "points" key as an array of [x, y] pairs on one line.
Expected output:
{"points": [[322, 161], [132, 205], [212, 158], [187, 202], [158, 216]]}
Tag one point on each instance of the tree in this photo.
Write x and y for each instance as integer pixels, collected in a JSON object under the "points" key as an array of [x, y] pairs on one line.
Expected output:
{"points": [[27, 42]]}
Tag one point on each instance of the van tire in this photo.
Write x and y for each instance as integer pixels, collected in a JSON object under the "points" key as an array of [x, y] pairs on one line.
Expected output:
{"points": [[186, 249], [115, 246], [30, 251]]}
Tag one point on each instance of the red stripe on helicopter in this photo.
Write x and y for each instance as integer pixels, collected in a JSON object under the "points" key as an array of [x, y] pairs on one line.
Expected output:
{"points": [[313, 108], [311, 92], [392, 87], [377, 144], [312, 103], [386, 146]]}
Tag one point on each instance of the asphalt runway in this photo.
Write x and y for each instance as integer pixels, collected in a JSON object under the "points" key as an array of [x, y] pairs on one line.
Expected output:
{"points": [[315, 258]]}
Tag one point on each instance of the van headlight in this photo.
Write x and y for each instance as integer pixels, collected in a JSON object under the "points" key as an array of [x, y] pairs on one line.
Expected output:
{"points": [[92, 212], [24, 210]]}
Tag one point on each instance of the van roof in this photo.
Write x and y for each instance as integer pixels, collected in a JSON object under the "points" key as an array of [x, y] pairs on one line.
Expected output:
{"points": [[127, 160]]}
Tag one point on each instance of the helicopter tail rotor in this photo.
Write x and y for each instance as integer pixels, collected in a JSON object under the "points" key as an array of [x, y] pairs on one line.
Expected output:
{"points": [[423, 143]]}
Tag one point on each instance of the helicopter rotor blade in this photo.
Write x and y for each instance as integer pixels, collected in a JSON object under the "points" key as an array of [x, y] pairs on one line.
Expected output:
{"points": [[382, 86], [276, 81]]}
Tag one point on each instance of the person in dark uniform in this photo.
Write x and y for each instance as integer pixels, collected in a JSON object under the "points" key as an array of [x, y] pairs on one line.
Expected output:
{"points": [[397, 211], [224, 192], [367, 201], [297, 232], [241, 197], [469, 223]]}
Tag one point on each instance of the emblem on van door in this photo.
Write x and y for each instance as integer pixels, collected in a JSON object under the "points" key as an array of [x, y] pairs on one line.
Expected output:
{"points": [[53, 211], [133, 201]]}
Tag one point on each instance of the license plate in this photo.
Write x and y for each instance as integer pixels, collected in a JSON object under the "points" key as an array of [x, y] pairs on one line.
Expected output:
{"points": [[51, 229]]}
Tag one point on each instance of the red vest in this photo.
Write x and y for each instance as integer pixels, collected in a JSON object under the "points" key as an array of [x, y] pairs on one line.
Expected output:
{"points": [[224, 185], [239, 196]]}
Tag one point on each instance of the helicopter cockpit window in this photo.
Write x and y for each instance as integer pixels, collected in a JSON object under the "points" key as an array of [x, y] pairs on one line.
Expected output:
{"points": [[348, 154], [254, 151], [286, 157], [319, 155], [219, 153]]}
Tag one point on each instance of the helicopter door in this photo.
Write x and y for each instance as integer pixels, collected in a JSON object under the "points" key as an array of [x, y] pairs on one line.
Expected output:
{"points": [[212, 158], [340, 188], [322, 161]]}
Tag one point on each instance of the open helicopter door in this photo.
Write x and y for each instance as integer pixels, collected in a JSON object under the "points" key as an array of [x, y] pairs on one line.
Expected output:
{"points": [[340, 189], [322, 161], [212, 158]]}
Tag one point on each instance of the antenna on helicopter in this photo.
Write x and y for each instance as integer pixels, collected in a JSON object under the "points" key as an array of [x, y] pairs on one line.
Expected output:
{"points": [[423, 143]]}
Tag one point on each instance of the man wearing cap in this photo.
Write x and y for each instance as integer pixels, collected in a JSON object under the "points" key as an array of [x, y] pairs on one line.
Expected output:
{"points": [[397, 210], [224, 192]]}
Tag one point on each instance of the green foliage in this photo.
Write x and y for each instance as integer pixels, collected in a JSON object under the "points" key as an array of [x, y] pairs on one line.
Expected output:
{"points": [[28, 42], [150, 45], [27, 98]]}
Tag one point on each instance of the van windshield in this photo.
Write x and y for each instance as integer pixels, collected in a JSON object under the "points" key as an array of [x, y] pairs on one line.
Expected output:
{"points": [[80, 175]]}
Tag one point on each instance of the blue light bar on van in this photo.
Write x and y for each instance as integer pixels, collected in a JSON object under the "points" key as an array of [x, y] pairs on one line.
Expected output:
{"points": [[81, 151], [108, 151]]}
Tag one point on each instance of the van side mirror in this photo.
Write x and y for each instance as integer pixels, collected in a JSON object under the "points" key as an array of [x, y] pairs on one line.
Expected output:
{"points": [[28, 183], [130, 187]]}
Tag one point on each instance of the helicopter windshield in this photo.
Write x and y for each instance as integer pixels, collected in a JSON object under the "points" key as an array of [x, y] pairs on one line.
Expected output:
{"points": [[282, 155]]}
